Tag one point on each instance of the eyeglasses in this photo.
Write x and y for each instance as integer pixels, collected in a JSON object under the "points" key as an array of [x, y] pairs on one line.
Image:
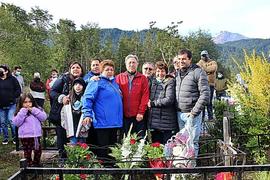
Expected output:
{"points": [[147, 68], [176, 62]]}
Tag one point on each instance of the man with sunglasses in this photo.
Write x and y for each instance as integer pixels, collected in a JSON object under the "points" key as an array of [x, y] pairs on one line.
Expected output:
{"points": [[148, 70]]}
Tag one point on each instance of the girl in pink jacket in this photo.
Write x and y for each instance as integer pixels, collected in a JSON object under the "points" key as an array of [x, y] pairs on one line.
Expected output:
{"points": [[28, 118]]}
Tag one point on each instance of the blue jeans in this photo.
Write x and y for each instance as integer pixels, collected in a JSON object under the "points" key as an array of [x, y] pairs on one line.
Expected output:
{"points": [[6, 116], [196, 124]]}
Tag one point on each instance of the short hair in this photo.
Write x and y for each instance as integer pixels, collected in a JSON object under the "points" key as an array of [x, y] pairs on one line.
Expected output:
{"points": [[131, 56], [161, 65], [96, 59], [150, 63], [106, 62], [17, 67], [185, 51], [54, 70]]}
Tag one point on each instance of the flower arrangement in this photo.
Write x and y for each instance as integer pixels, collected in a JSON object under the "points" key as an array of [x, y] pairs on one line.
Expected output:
{"points": [[154, 153], [79, 156], [130, 152]]}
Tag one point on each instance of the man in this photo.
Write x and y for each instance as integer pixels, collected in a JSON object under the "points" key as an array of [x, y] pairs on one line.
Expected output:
{"points": [[192, 94], [94, 70], [49, 84], [220, 86], [135, 91], [17, 73], [175, 66], [210, 67], [148, 70]]}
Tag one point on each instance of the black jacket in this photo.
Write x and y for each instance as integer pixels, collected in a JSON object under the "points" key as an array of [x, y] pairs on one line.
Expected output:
{"points": [[162, 114], [10, 90]]}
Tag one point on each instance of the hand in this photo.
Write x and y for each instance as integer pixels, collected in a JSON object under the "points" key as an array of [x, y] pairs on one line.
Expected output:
{"points": [[139, 117], [29, 109], [87, 121], [66, 100], [190, 115], [95, 78], [149, 104]]}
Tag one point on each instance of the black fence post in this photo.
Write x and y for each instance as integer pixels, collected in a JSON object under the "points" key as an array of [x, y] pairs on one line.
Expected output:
{"points": [[23, 166], [17, 139]]}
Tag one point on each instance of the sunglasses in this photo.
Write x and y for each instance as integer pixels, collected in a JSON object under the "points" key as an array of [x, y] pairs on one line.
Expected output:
{"points": [[150, 69]]}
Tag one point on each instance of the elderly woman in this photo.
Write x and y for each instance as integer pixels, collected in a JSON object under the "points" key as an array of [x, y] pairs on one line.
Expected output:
{"points": [[60, 95], [162, 113], [102, 105]]}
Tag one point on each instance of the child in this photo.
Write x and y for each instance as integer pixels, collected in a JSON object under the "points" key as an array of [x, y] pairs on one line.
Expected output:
{"points": [[28, 118], [74, 108]]}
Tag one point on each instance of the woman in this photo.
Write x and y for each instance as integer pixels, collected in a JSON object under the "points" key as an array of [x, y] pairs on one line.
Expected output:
{"points": [[59, 94], [162, 113], [10, 90], [37, 89], [102, 105]]}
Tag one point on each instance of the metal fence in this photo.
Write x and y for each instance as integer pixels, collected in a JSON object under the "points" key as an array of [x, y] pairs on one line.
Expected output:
{"points": [[205, 173]]}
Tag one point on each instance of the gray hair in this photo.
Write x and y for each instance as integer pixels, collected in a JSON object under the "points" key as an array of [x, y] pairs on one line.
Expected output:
{"points": [[132, 56]]}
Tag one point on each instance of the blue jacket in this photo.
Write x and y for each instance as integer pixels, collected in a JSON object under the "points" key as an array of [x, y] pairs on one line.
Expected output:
{"points": [[88, 76], [102, 102]]}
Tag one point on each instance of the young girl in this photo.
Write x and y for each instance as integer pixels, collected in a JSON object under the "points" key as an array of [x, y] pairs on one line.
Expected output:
{"points": [[76, 93], [28, 118]]}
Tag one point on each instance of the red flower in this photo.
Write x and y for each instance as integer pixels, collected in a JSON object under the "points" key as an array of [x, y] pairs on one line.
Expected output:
{"points": [[57, 177], [88, 156], [132, 141], [83, 176], [100, 161], [84, 145], [156, 144]]}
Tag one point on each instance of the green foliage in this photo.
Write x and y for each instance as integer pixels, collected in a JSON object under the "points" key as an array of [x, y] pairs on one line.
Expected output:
{"points": [[154, 150]]}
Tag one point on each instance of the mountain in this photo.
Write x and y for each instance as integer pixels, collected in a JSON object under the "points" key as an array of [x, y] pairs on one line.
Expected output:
{"points": [[225, 36]]}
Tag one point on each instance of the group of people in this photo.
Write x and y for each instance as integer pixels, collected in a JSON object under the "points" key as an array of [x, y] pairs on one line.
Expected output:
{"points": [[99, 105]]}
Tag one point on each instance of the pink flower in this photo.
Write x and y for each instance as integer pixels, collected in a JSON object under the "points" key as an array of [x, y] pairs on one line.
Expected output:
{"points": [[132, 141], [156, 144], [84, 145]]}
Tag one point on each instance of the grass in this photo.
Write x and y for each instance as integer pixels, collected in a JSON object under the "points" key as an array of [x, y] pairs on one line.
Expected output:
{"points": [[9, 163]]}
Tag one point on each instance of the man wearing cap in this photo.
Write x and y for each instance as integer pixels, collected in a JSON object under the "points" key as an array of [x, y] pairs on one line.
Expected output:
{"points": [[210, 67]]}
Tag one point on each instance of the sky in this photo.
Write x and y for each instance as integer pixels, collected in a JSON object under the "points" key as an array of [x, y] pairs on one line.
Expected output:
{"points": [[247, 17]]}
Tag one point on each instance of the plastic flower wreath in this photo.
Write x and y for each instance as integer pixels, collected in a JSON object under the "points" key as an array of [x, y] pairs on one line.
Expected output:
{"points": [[129, 154]]}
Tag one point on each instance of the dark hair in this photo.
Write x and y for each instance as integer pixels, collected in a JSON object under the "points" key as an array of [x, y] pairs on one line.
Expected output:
{"points": [[17, 67], [185, 51], [76, 62], [96, 59], [22, 99], [73, 94], [161, 65], [54, 70], [6, 68]]}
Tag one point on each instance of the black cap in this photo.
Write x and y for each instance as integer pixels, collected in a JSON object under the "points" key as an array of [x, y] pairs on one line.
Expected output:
{"points": [[79, 80]]}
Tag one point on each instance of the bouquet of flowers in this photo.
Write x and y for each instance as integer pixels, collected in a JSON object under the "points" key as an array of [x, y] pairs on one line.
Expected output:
{"points": [[79, 156], [181, 148], [154, 153], [130, 152]]}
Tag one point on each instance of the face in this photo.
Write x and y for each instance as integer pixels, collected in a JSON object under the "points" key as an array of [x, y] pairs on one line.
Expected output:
{"points": [[148, 70], [78, 87], [76, 70], [95, 66], [160, 73], [3, 72], [176, 63], [54, 74], [131, 65], [108, 71], [184, 61], [27, 103]]}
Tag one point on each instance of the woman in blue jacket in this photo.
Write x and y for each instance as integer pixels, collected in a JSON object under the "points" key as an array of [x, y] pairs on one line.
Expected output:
{"points": [[102, 105]]}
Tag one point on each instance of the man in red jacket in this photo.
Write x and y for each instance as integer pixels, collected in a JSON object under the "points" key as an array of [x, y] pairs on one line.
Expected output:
{"points": [[135, 90]]}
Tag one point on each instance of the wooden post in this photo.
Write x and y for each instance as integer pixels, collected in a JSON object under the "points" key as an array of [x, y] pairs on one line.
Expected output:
{"points": [[226, 138]]}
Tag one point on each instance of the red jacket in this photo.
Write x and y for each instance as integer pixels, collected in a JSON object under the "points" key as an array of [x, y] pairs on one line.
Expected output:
{"points": [[134, 100]]}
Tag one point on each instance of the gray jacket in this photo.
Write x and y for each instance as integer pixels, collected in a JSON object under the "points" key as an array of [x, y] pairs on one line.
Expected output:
{"points": [[162, 114], [192, 90]]}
